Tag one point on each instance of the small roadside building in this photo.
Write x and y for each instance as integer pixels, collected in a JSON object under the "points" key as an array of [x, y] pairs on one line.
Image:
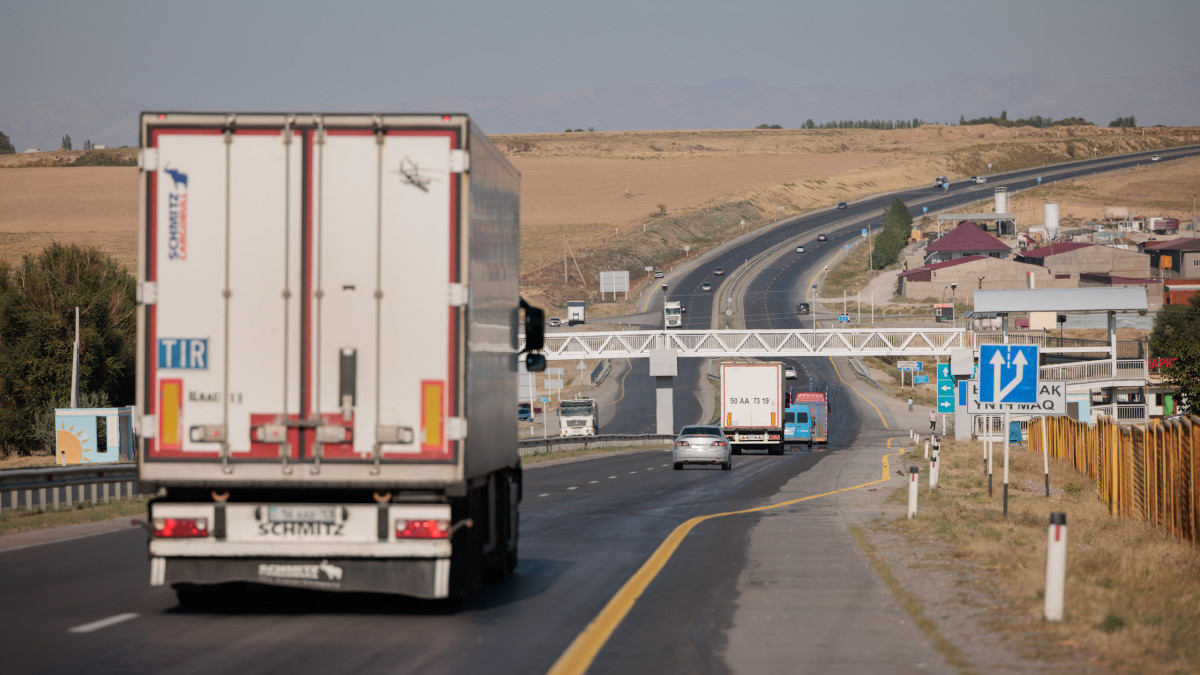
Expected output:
{"points": [[966, 240], [1178, 258], [958, 279], [1067, 260]]}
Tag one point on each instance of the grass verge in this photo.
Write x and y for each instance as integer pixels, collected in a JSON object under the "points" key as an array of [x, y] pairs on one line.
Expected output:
{"points": [[13, 521], [1132, 593], [910, 603]]}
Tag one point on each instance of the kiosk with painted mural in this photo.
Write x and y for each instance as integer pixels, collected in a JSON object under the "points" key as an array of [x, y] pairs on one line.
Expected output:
{"points": [[77, 437]]}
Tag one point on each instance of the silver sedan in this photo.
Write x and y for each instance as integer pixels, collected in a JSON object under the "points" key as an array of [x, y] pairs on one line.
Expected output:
{"points": [[701, 445]]}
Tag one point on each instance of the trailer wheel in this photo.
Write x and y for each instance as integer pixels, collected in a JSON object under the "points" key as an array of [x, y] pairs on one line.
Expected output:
{"points": [[466, 553], [774, 450]]}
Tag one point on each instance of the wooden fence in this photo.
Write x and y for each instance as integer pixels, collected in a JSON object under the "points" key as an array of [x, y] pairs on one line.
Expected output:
{"points": [[1147, 471]]}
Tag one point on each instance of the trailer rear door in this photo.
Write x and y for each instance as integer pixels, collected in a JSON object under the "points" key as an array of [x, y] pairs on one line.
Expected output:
{"points": [[299, 286]]}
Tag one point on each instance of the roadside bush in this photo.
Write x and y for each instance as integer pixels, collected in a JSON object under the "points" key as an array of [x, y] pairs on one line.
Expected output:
{"points": [[106, 158], [37, 316]]}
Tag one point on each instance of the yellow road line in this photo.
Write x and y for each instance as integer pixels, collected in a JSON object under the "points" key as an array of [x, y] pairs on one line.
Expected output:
{"points": [[583, 650], [628, 369], [860, 394]]}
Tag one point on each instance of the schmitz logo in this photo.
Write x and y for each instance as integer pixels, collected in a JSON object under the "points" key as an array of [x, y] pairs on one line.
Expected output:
{"points": [[177, 215], [302, 574]]}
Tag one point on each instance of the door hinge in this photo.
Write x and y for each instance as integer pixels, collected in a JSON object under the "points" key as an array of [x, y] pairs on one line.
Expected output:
{"points": [[460, 161], [456, 428], [148, 159], [459, 294], [147, 293], [148, 426]]}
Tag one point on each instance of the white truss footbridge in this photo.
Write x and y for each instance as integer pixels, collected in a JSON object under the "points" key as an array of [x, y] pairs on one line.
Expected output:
{"points": [[755, 343]]}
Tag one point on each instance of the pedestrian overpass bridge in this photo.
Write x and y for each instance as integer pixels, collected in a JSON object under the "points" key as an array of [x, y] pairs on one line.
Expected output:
{"points": [[1099, 363]]}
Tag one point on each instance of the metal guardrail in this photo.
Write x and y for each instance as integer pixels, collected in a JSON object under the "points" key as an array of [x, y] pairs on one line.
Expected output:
{"points": [[600, 372], [542, 446], [55, 486]]}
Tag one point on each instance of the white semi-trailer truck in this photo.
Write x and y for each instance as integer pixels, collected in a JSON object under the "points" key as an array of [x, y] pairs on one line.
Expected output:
{"points": [[672, 314], [327, 328], [752, 406]]}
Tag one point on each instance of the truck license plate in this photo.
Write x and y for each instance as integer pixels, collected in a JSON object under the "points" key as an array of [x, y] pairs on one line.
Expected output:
{"points": [[302, 514]]}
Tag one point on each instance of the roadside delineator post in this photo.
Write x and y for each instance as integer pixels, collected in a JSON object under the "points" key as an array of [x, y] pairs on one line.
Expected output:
{"points": [[926, 449], [1056, 565], [933, 469], [912, 491], [1045, 455], [1006, 421]]}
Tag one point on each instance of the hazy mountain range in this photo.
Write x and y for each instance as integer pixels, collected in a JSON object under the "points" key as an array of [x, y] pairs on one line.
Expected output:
{"points": [[1168, 96]]}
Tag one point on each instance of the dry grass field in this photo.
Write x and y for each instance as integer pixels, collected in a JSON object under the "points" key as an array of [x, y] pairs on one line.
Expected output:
{"points": [[627, 200]]}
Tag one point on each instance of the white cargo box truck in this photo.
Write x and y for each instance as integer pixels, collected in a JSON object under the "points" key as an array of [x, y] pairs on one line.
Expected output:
{"points": [[576, 310], [328, 310], [752, 404]]}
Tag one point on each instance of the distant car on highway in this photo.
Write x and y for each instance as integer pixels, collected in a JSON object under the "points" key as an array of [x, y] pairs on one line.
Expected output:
{"points": [[720, 271], [802, 308], [822, 237], [554, 322], [701, 445], [706, 286], [1154, 158], [799, 249], [658, 274], [841, 205], [789, 372]]}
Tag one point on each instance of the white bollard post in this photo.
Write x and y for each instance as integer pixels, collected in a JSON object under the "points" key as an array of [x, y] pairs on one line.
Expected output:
{"points": [[933, 467], [926, 449], [1056, 566], [912, 491]]}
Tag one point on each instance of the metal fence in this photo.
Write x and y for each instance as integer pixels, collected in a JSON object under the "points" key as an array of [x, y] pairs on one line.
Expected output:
{"points": [[65, 486], [1148, 471]]}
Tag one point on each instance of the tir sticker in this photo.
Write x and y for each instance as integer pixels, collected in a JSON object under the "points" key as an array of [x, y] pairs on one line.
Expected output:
{"points": [[183, 353]]}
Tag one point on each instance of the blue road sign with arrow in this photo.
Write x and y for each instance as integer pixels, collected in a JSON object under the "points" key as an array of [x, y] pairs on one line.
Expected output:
{"points": [[1008, 373], [945, 388]]}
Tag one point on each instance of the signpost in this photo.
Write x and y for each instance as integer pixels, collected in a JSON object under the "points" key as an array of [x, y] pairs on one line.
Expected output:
{"points": [[1008, 379]]}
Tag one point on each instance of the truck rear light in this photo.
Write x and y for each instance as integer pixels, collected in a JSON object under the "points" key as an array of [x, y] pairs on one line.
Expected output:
{"points": [[423, 529], [180, 528]]}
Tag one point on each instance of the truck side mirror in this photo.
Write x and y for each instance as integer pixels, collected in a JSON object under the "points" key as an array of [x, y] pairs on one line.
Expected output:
{"points": [[535, 337]]}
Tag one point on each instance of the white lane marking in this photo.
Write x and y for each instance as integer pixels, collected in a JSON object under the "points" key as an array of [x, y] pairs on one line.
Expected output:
{"points": [[649, 468], [103, 623], [544, 494], [612, 476], [632, 472], [593, 482], [573, 487]]}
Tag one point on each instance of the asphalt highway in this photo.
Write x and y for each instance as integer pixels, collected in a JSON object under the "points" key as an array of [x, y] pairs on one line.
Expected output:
{"points": [[85, 605]]}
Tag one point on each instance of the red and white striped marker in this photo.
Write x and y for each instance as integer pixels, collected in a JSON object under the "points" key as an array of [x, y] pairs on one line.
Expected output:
{"points": [[1056, 566], [912, 491]]}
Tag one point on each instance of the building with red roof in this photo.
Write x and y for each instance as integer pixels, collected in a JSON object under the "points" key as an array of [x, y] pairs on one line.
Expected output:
{"points": [[966, 240], [1069, 259]]}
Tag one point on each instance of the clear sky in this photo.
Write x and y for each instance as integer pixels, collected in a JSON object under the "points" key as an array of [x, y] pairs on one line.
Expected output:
{"points": [[352, 53]]}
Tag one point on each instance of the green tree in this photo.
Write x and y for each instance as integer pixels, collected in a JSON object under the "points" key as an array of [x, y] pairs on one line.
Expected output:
{"points": [[1176, 334], [66, 142], [897, 224], [6, 146], [37, 310]]}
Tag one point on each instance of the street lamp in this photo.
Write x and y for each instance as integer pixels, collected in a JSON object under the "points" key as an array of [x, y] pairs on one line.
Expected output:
{"points": [[953, 307]]}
